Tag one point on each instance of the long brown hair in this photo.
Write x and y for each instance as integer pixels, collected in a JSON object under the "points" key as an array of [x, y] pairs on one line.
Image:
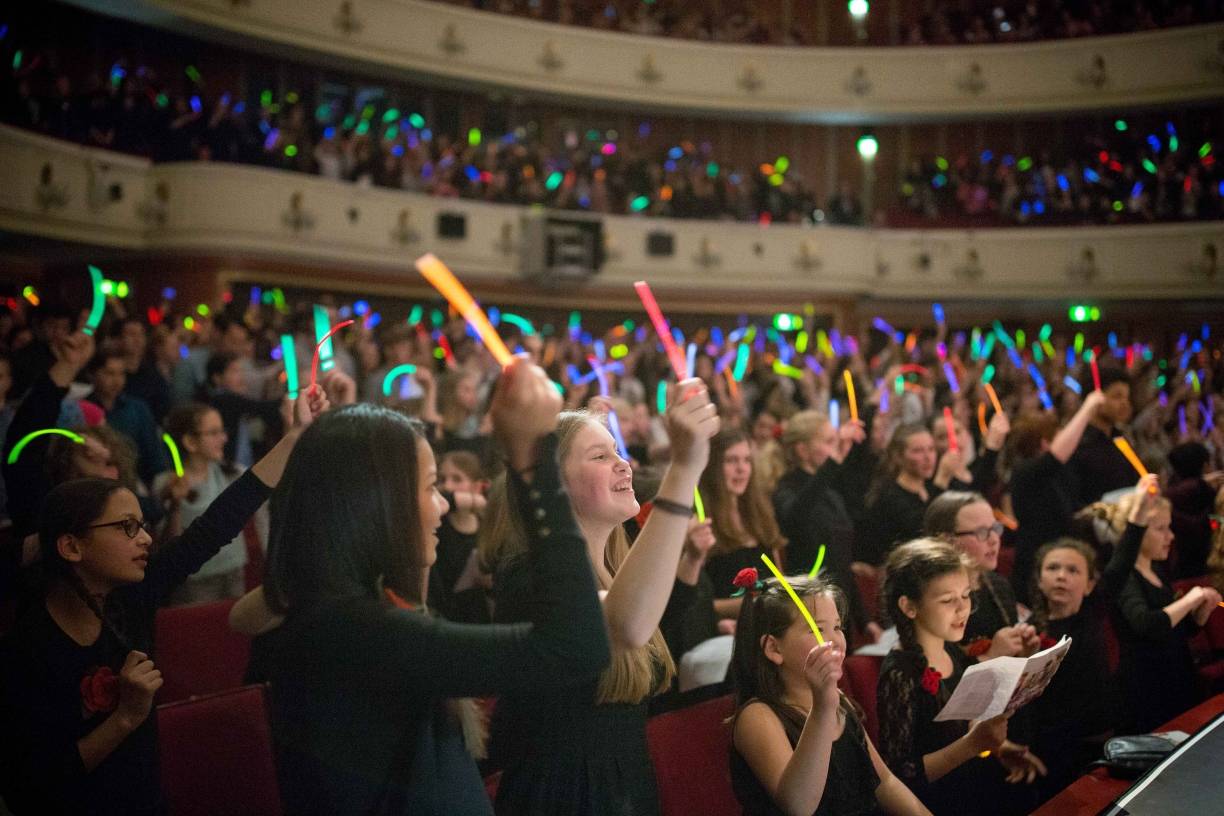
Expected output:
{"points": [[756, 514], [634, 674]]}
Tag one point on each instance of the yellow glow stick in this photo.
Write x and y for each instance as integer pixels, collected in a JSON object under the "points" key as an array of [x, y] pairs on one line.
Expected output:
{"points": [[994, 398], [174, 454], [1121, 444], [820, 554], [450, 288], [850, 395], [807, 616], [699, 505]]}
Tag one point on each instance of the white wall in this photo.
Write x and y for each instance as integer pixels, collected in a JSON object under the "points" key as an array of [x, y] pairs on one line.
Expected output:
{"points": [[220, 208]]}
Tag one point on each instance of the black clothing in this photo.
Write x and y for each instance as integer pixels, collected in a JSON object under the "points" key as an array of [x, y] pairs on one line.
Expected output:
{"points": [[454, 550], [359, 689], [148, 384], [895, 517], [994, 607], [1044, 495], [849, 787], [690, 617], [1193, 503], [1099, 466], [43, 703]]}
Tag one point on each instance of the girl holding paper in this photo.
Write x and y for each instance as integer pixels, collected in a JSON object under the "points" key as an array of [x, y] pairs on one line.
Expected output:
{"points": [[798, 743], [928, 594]]}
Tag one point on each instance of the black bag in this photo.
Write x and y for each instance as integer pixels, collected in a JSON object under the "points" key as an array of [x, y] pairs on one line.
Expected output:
{"points": [[1130, 757]]}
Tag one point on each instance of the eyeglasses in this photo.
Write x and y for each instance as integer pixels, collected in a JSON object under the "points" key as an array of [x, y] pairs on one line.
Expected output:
{"points": [[131, 527], [983, 533]]}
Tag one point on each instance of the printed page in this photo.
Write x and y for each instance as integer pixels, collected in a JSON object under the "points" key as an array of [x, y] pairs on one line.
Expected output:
{"points": [[1003, 685]]}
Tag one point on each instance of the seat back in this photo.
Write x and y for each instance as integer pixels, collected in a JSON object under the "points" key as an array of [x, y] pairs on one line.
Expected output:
{"points": [[197, 651], [869, 591], [216, 755], [691, 749], [860, 676]]}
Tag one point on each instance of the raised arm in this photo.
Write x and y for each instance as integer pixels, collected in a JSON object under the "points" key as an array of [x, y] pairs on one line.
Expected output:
{"points": [[639, 592], [1068, 438]]}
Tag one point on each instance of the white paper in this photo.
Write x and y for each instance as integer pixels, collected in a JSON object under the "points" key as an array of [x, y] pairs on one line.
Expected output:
{"points": [[1003, 685]]}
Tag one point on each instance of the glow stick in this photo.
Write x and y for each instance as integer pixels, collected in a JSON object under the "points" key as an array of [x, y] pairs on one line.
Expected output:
{"points": [[1129, 452], [882, 325], [850, 395], [661, 398], [938, 311], [807, 616], [950, 427], [1006, 520], [99, 302], [1096, 373], [450, 288], [950, 375], [699, 505], [982, 426], [314, 365], [994, 398], [785, 370], [613, 419], [690, 359], [289, 357], [30, 437], [834, 412], [394, 374], [1181, 420], [174, 454], [741, 362], [820, 554], [674, 355], [1070, 382]]}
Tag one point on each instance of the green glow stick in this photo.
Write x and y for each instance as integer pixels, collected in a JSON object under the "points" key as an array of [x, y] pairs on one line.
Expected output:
{"points": [[394, 374], [28, 438], [820, 554], [289, 357], [99, 302], [699, 505], [661, 398], [807, 616], [322, 324], [174, 454]]}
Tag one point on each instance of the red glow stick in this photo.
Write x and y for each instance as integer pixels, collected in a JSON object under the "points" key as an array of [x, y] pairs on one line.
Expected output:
{"points": [[674, 355], [1096, 373], [950, 427], [461, 301], [314, 364]]}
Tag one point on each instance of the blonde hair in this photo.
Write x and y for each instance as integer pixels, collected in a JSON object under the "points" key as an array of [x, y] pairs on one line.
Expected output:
{"points": [[634, 674], [800, 428]]}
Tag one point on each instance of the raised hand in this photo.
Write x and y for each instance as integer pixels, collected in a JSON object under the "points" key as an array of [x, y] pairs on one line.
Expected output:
{"points": [[997, 431], [691, 420], [822, 669], [700, 538], [524, 409]]}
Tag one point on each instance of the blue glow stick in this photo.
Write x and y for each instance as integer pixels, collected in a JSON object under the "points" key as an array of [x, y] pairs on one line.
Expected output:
{"points": [[691, 358], [938, 310], [834, 413], [1070, 382], [951, 376]]}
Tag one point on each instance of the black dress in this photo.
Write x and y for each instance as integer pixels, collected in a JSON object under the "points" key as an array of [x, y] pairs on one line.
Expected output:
{"points": [[1045, 496], [560, 751], [45, 707], [849, 787], [994, 607], [1155, 666], [454, 550], [908, 731], [724, 567]]}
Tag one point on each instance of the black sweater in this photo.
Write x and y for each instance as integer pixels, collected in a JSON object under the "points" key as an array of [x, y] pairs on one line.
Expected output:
{"points": [[359, 689], [895, 517], [42, 704]]}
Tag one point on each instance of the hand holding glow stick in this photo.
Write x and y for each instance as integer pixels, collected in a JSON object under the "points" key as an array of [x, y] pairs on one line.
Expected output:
{"points": [[450, 288], [314, 365], [807, 616]]}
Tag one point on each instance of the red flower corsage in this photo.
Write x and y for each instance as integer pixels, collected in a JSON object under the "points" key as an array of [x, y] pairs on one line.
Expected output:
{"points": [[930, 681], [1047, 642], [745, 579], [100, 691], [978, 647]]}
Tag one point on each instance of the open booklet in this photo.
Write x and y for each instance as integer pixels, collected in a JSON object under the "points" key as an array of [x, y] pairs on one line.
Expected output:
{"points": [[1004, 684]]}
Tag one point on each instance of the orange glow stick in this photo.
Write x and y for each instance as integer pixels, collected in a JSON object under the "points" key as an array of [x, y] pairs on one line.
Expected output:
{"points": [[732, 385], [1129, 452], [994, 398], [450, 288], [850, 395], [950, 427], [982, 426], [1006, 520]]}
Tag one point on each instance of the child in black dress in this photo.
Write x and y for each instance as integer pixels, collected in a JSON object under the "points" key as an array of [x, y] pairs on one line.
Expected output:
{"points": [[77, 684], [798, 744], [457, 585], [927, 593]]}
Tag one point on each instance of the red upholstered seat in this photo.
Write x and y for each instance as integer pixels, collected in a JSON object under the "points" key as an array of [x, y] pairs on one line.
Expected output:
{"points": [[197, 652], [869, 591], [860, 676], [690, 749], [216, 755], [1007, 558]]}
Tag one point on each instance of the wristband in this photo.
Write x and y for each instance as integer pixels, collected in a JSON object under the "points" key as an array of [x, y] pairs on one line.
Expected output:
{"points": [[669, 506]]}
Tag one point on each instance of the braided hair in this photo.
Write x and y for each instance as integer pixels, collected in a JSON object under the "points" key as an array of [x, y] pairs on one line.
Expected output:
{"points": [[907, 573]]}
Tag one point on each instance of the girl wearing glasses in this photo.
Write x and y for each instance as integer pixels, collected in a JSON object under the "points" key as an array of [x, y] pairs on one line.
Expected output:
{"points": [[927, 593], [967, 521], [77, 683]]}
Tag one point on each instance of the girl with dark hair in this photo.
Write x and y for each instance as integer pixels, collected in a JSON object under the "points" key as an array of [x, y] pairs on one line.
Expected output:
{"points": [[798, 744], [581, 748], [742, 515], [967, 522], [927, 594], [77, 683], [457, 585], [363, 679], [904, 485], [199, 433]]}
